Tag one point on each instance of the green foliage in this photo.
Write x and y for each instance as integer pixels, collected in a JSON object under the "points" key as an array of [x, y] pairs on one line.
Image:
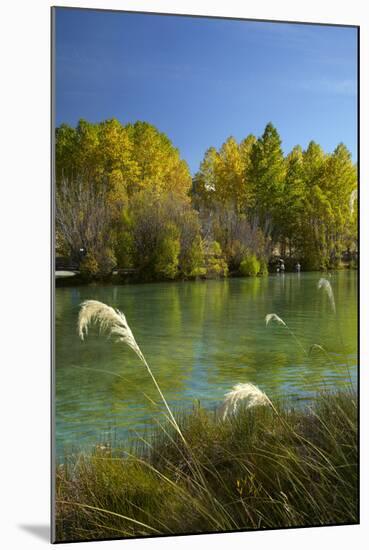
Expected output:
{"points": [[167, 252], [129, 184], [250, 266], [301, 204], [159, 228], [123, 241], [216, 265], [89, 266], [98, 265], [223, 177], [124, 161], [265, 467], [263, 267], [267, 175], [131, 158], [192, 264]]}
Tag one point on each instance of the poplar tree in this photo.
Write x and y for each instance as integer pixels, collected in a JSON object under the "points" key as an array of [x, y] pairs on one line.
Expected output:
{"points": [[266, 174]]}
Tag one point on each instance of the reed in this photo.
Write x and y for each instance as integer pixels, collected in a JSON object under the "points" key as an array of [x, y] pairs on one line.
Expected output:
{"points": [[243, 466], [259, 473], [246, 394], [114, 323], [327, 288], [274, 317]]}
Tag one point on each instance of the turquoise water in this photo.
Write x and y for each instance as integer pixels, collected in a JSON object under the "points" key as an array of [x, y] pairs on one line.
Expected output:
{"points": [[200, 338]]}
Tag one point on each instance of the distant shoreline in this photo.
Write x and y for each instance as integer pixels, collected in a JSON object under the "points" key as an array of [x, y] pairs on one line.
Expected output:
{"points": [[70, 278]]}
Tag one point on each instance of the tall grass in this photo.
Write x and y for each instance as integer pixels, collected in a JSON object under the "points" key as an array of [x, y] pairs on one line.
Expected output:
{"points": [[244, 466], [262, 467], [114, 323], [325, 285], [274, 317], [247, 395]]}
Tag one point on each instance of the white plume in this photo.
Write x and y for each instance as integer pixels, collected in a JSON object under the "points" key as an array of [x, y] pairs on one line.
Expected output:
{"points": [[274, 317], [326, 286], [113, 322], [248, 394], [109, 320]]}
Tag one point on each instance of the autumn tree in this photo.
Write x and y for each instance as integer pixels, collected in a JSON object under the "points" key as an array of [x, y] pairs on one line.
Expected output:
{"points": [[267, 176], [130, 158], [291, 212], [125, 194]]}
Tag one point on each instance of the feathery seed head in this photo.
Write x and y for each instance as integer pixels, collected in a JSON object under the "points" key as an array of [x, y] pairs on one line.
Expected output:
{"points": [[248, 394], [274, 317], [316, 347], [326, 286], [109, 320]]}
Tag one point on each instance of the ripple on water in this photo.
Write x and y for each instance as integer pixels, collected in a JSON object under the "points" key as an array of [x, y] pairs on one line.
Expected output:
{"points": [[200, 339]]}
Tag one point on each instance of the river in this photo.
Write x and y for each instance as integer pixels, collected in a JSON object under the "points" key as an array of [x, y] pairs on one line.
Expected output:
{"points": [[200, 338]]}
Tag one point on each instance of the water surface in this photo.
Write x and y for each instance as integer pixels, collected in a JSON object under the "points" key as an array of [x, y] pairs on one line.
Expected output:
{"points": [[200, 338]]}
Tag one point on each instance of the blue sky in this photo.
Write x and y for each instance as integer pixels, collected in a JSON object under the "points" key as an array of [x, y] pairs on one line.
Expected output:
{"points": [[202, 80]]}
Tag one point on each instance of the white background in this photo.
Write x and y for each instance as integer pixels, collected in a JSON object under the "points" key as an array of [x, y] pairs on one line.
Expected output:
{"points": [[25, 269]]}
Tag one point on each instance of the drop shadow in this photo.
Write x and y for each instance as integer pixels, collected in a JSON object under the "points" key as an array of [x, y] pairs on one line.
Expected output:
{"points": [[40, 531]]}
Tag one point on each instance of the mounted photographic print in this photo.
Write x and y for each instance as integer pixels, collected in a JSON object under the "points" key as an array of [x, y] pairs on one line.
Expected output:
{"points": [[205, 304]]}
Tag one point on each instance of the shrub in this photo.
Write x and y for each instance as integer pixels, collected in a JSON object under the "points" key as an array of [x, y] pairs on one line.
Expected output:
{"points": [[89, 266], [106, 262], [216, 263], [250, 266], [193, 261], [97, 266], [263, 267], [166, 263]]}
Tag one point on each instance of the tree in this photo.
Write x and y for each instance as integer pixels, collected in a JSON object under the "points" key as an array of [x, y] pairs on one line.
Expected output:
{"points": [[294, 190], [229, 186], [204, 186], [164, 229], [83, 221], [326, 229], [266, 174], [159, 162], [115, 160], [124, 192], [167, 253], [222, 178], [339, 183], [129, 158]]}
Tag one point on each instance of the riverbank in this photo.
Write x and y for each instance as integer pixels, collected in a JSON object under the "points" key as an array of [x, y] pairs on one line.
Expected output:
{"points": [[74, 278], [266, 467]]}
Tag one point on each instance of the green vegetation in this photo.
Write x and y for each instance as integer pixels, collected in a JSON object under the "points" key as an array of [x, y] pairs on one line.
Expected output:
{"points": [[125, 196], [264, 467], [250, 265]]}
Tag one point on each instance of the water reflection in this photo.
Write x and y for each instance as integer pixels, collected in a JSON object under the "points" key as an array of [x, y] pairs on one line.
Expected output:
{"points": [[200, 338]]}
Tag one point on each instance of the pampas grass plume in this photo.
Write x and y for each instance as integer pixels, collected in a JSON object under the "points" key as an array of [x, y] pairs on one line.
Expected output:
{"points": [[247, 394], [114, 323], [109, 320], [274, 317], [326, 286]]}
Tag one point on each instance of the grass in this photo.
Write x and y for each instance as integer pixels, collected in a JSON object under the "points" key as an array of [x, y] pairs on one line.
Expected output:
{"points": [[264, 467]]}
